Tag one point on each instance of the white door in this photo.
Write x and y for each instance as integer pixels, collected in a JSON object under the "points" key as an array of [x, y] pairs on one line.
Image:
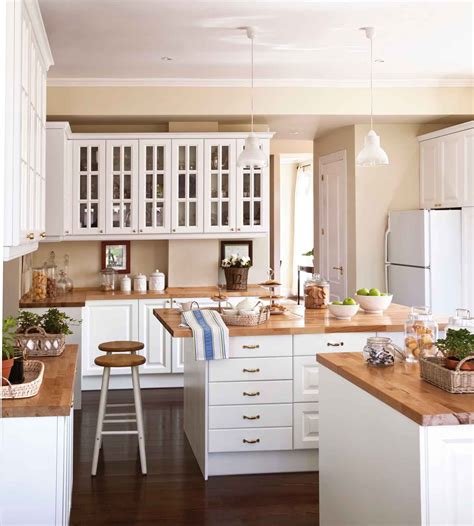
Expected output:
{"points": [[430, 174], [156, 338], [220, 186], [333, 222], [305, 425], [104, 321], [88, 189], [121, 187], [187, 186], [155, 187]]}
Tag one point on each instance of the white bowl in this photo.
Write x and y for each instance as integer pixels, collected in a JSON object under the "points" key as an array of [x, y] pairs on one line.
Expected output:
{"points": [[343, 312], [374, 304]]}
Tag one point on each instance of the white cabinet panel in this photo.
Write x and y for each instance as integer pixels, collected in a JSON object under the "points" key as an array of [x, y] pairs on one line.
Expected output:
{"points": [[468, 163], [259, 439], [430, 174], [306, 379], [452, 170], [311, 344], [238, 393], [177, 355], [239, 416], [305, 426], [260, 346], [243, 369]]}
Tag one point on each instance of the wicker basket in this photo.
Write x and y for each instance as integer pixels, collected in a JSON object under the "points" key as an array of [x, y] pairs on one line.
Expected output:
{"points": [[34, 371], [236, 278], [36, 342], [433, 371], [247, 320]]}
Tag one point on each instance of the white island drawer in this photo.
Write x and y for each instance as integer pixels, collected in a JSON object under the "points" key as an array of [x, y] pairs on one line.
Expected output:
{"points": [[269, 392], [311, 344], [260, 346], [258, 439], [251, 369], [268, 415]]}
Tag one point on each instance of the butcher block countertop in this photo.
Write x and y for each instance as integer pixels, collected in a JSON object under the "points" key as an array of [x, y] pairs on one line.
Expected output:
{"points": [[301, 321], [402, 388], [78, 297], [56, 394]]}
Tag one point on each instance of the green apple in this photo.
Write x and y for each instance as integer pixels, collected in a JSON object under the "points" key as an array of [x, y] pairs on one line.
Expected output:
{"points": [[363, 292], [384, 294], [374, 292], [349, 301], [337, 303]]}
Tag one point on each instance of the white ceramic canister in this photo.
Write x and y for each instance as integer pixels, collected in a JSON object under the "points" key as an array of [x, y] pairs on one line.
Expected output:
{"points": [[139, 283], [157, 281], [126, 284]]}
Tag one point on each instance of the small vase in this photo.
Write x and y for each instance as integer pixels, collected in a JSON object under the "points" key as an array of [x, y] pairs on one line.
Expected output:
{"points": [[236, 278], [6, 369]]}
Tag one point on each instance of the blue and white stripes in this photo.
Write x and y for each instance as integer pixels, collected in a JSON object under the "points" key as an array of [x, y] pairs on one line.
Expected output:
{"points": [[210, 334]]}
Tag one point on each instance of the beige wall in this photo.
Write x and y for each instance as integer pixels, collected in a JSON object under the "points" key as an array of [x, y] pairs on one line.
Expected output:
{"points": [[287, 214], [11, 287]]}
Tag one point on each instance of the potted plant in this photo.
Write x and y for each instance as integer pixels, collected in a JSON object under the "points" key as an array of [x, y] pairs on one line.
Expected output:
{"points": [[457, 345], [8, 347], [236, 269]]}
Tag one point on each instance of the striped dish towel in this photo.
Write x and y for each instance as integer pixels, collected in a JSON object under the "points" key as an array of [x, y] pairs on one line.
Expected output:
{"points": [[210, 334]]}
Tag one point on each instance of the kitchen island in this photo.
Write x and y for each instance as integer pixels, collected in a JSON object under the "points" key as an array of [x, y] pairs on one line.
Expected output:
{"points": [[394, 449], [258, 412]]}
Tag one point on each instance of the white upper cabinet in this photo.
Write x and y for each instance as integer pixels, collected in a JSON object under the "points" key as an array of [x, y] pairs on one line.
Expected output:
{"points": [[446, 167], [28, 59]]}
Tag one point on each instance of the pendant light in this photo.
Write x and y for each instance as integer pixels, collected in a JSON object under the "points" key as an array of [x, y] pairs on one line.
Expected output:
{"points": [[252, 155], [372, 154]]}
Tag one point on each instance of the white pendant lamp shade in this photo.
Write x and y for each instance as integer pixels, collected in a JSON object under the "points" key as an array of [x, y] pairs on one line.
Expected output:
{"points": [[372, 154], [252, 155]]}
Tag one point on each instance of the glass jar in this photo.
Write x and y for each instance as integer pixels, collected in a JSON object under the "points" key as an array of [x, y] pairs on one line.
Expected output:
{"points": [[51, 276], [38, 284], [381, 351], [67, 277], [421, 333], [108, 279], [316, 292], [61, 284]]}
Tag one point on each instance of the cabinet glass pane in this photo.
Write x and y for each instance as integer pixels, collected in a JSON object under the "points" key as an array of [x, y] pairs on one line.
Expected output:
{"points": [[182, 158], [127, 186], [214, 185], [256, 213], [116, 158], [94, 186], [127, 158], [214, 157], [83, 159], [149, 186], [192, 157], [116, 215], [94, 215], [160, 157], [246, 190], [256, 185], [83, 215], [246, 213], [182, 214], [225, 213], [83, 187], [149, 157], [214, 212], [94, 159], [192, 214], [127, 215], [116, 187], [159, 186], [149, 214], [225, 185], [160, 207], [192, 186], [225, 158], [182, 186]]}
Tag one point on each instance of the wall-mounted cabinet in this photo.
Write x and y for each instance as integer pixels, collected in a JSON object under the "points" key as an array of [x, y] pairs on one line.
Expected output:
{"points": [[143, 186], [28, 59]]}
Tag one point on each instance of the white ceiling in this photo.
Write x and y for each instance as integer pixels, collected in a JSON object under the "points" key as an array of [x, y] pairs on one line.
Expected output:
{"points": [[298, 42]]}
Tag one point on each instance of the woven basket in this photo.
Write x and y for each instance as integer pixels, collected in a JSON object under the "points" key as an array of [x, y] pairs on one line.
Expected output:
{"points": [[247, 320], [36, 342], [236, 278], [433, 371], [34, 371]]}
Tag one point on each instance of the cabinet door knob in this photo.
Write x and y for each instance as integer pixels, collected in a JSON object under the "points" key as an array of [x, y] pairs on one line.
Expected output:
{"points": [[43, 235], [438, 205], [256, 441], [335, 344], [250, 346], [66, 231], [245, 370], [238, 230], [101, 231], [174, 229], [30, 236], [254, 393], [134, 231], [141, 229], [256, 417], [231, 229]]}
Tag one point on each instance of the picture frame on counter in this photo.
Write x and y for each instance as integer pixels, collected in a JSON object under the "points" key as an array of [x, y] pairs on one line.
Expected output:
{"points": [[116, 255], [239, 247]]}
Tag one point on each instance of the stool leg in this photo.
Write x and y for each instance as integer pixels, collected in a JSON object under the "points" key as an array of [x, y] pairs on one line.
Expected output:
{"points": [[139, 411], [100, 418]]}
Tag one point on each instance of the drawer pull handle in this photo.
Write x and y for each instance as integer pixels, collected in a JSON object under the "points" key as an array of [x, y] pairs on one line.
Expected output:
{"points": [[256, 441], [250, 346], [256, 393], [244, 370], [256, 417], [336, 344]]}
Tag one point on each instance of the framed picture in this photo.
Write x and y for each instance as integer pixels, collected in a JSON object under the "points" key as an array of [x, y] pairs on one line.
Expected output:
{"points": [[116, 254], [240, 247]]}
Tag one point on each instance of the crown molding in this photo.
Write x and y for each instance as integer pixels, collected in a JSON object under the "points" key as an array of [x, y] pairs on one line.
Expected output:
{"points": [[39, 31], [264, 83]]}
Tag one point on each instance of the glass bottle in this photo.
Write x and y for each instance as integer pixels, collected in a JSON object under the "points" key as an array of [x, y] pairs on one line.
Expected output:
{"points": [[51, 275], [316, 292], [421, 333], [62, 284], [108, 279], [69, 282]]}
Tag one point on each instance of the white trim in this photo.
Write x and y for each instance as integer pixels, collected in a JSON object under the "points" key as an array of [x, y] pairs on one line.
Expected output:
{"points": [[226, 83], [165, 135], [58, 125], [447, 131], [39, 31]]}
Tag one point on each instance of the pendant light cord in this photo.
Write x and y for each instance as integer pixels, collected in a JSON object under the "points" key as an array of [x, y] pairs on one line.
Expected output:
{"points": [[371, 85], [251, 88]]}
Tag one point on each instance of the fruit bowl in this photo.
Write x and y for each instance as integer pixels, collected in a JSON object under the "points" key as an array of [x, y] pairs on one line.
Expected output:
{"points": [[343, 312], [374, 304]]}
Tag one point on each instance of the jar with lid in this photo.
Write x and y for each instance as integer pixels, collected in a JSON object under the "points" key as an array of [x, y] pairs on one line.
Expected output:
{"points": [[108, 279], [62, 284], [39, 282], [139, 283], [51, 277], [316, 292], [421, 333], [67, 277], [126, 284], [461, 320], [381, 351], [157, 281]]}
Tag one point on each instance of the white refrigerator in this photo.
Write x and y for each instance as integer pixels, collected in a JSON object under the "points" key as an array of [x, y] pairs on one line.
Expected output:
{"points": [[423, 259]]}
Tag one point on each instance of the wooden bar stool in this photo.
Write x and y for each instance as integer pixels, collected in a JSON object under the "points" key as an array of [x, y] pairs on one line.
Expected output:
{"points": [[121, 346], [108, 362]]}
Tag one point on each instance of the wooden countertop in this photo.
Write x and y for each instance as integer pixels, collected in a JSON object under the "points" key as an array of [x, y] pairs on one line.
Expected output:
{"points": [[301, 321], [56, 394], [78, 297], [402, 388]]}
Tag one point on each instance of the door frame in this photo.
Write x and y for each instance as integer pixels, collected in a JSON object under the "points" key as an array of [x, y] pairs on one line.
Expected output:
{"points": [[340, 155]]}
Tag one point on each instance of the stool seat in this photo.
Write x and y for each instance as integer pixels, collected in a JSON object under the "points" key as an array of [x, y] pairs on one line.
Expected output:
{"points": [[121, 346], [120, 360]]}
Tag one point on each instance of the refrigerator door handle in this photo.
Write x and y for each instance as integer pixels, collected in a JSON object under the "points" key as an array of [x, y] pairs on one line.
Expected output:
{"points": [[387, 232], [387, 288]]}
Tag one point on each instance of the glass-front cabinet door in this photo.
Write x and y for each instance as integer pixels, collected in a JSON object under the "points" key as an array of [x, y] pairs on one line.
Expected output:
{"points": [[88, 187], [219, 185], [252, 194], [155, 189], [187, 186], [122, 187]]}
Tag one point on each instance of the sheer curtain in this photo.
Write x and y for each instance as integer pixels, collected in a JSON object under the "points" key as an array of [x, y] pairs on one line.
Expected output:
{"points": [[303, 222]]}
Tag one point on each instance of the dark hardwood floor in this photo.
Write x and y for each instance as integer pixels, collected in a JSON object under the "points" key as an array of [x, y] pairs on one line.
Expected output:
{"points": [[174, 492]]}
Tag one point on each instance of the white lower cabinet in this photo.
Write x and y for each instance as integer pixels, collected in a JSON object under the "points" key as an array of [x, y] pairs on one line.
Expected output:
{"points": [[240, 416], [261, 439], [306, 379], [306, 425], [273, 392]]}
